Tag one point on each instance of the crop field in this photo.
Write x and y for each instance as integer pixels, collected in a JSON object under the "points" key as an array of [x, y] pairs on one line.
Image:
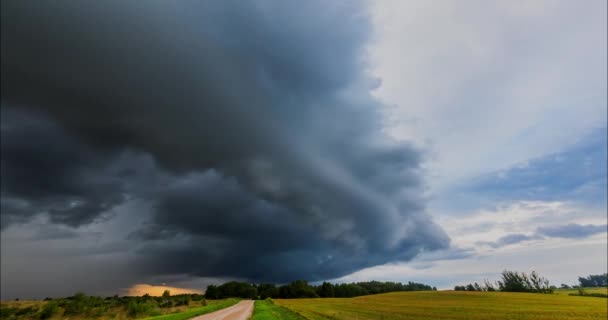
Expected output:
{"points": [[451, 305], [587, 290]]}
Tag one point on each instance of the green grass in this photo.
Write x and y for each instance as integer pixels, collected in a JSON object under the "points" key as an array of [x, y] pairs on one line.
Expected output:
{"points": [[267, 310], [193, 312], [28, 310], [451, 305], [587, 290]]}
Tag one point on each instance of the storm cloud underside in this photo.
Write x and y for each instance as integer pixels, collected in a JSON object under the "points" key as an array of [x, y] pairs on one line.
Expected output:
{"points": [[247, 127]]}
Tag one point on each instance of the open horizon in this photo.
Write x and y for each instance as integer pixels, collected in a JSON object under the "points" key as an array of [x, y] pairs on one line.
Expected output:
{"points": [[173, 145]]}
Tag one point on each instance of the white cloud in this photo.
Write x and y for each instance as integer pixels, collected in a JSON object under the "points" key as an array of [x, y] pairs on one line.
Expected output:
{"points": [[561, 260], [489, 84], [561, 264]]}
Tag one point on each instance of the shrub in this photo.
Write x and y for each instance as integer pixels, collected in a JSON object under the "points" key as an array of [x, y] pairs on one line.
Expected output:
{"points": [[49, 310], [135, 308], [26, 311]]}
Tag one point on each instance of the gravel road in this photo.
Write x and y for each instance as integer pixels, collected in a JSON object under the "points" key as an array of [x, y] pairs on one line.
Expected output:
{"points": [[239, 311]]}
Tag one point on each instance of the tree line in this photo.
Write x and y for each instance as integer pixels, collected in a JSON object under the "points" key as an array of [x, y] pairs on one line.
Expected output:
{"points": [[512, 281], [598, 280], [302, 289]]}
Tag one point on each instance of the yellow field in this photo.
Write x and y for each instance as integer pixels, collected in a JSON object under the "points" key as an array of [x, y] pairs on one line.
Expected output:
{"points": [[452, 305], [587, 290]]}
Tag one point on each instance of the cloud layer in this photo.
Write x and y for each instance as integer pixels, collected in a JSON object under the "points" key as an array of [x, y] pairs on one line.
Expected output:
{"points": [[248, 129]]}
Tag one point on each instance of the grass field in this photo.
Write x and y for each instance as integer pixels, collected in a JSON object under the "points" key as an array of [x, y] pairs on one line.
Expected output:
{"points": [[587, 290], [452, 305], [267, 310], [26, 310]]}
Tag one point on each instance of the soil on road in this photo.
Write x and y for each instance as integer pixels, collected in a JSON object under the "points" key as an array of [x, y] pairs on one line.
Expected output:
{"points": [[239, 311]]}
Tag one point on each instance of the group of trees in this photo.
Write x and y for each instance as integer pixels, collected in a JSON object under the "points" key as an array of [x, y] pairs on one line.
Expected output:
{"points": [[486, 286], [512, 281], [598, 280], [302, 289], [232, 289]]}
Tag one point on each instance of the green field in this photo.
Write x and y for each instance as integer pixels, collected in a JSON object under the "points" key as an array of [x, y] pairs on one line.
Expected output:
{"points": [[587, 290], [451, 305], [267, 310], [28, 310]]}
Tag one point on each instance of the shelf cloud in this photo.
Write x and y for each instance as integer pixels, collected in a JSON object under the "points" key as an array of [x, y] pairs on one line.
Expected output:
{"points": [[248, 128]]}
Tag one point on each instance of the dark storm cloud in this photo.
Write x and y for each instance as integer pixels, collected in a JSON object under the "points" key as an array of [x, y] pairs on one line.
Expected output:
{"points": [[231, 231], [572, 230], [263, 152], [44, 169]]}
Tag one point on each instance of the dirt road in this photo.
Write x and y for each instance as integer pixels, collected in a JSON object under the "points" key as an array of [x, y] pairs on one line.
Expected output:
{"points": [[239, 311]]}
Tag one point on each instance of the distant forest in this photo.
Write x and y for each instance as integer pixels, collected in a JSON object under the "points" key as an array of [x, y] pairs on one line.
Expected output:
{"points": [[301, 289]]}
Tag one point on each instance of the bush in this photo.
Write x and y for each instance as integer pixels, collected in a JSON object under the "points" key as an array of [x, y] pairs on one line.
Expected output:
{"points": [[26, 311], [135, 308], [49, 310], [7, 312]]}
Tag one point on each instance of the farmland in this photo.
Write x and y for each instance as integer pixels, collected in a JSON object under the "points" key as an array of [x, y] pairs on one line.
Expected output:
{"points": [[587, 290], [451, 305]]}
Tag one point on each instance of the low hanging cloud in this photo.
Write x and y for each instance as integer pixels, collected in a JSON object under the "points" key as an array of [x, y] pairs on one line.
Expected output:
{"points": [[569, 231], [248, 127], [572, 230], [509, 240]]}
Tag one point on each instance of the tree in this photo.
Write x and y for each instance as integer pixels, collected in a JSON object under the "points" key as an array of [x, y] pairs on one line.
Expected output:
{"points": [[513, 281], [539, 284], [326, 290], [599, 280], [268, 291], [232, 289], [297, 289], [166, 294], [211, 292]]}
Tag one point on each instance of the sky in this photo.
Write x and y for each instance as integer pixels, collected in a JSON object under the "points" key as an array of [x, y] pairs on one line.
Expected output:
{"points": [[180, 144]]}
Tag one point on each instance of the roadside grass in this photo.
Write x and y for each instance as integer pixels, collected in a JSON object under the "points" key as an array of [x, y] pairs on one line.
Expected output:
{"points": [[267, 310], [27, 310], [193, 312], [451, 305]]}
